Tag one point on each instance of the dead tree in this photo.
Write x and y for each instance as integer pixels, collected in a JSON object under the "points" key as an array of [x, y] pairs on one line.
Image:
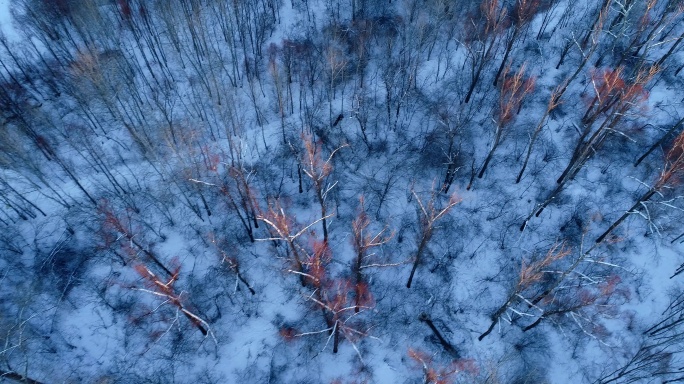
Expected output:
{"points": [[165, 289], [481, 40], [429, 214], [615, 99], [553, 103], [514, 89], [530, 274], [231, 262], [669, 176], [363, 242], [435, 373], [318, 170], [118, 226], [523, 13], [282, 228], [660, 142]]}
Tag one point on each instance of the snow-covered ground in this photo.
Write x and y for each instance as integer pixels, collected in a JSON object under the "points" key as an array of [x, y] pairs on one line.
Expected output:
{"points": [[166, 167], [6, 25]]}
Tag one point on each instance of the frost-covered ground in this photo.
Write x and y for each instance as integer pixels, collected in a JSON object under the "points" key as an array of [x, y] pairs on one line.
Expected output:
{"points": [[166, 168]]}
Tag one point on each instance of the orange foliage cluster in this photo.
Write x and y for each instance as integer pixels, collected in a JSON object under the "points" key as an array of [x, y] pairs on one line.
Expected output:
{"points": [[614, 93], [674, 164], [513, 91], [442, 375], [531, 273], [317, 262], [153, 282], [525, 11], [165, 289], [113, 225], [494, 15]]}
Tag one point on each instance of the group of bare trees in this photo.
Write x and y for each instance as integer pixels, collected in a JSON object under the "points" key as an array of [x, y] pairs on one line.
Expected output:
{"points": [[299, 144]]}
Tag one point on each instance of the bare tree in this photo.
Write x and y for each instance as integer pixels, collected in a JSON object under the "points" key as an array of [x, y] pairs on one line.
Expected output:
{"points": [[341, 312], [660, 142], [588, 47], [231, 262], [117, 226], [658, 354], [615, 99], [340, 301], [531, 273], [434, 373], [363, 242], [672, 170], [165, 289], [482, 38], [318, 170], [283, 228], [523, 12], [552, 104], [514, 89], [429, 214]]}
